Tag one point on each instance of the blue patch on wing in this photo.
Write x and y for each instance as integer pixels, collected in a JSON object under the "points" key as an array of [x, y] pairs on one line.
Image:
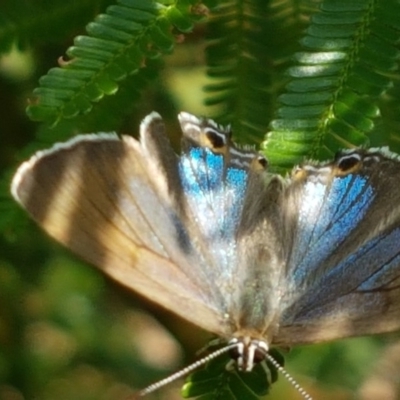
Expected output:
{"points": [[215, 194], [235, 191], [200, 171], [327, 214]]}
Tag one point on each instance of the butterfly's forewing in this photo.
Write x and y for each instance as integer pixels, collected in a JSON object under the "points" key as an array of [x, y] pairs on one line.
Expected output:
{"points": [[118, 204], [343, 228]]}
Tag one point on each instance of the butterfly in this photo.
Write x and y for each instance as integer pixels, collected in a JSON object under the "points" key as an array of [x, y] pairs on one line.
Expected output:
{"points": [[213, 236]]}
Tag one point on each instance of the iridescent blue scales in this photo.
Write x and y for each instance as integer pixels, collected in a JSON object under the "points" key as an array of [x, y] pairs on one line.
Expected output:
{"points": [[213, 236], [345, 246]]}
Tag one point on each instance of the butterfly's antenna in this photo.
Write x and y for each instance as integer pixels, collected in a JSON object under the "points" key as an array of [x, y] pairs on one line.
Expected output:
{"points": [[186, 370], [177, 375], [289, 377]]}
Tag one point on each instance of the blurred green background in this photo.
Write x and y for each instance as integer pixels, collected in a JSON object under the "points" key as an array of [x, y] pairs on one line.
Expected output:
{"points": [[66, 331]]}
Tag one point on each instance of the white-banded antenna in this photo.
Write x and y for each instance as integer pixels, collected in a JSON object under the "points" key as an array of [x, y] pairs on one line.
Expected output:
{"points": [[185, 371], [288, 377], [177, 375]]}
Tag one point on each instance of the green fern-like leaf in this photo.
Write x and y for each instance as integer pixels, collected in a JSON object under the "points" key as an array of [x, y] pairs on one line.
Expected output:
{"points": [[250, 43], [105, 117], [118, 45], [391, 117], [349, 61]]}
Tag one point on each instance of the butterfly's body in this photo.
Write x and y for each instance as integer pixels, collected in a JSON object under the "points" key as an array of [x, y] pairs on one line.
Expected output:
{"points": [[217, 239]]}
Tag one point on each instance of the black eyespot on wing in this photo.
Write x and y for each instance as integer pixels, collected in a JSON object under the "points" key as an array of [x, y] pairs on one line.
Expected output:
{"points": [[348, 162], [217, 139], [262, 161]]}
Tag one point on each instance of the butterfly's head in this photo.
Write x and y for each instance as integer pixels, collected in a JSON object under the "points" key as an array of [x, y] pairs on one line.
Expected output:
{"points": [[248, 352]]}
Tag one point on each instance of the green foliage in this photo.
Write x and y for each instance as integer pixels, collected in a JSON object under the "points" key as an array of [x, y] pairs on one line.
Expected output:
{"points": [[316, 75], [334, 99], [118, 44], [249, 47]]}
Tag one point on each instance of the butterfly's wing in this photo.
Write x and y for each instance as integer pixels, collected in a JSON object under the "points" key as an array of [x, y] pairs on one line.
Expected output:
{"points": [[120, 205], [236, 205], [342, 232]]}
